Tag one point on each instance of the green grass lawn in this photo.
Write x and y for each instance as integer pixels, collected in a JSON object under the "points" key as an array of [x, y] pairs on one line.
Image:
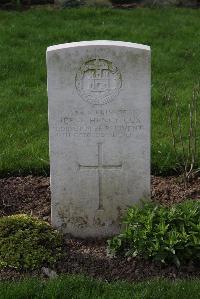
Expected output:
{"points": [[85, 288], [173, 35]]}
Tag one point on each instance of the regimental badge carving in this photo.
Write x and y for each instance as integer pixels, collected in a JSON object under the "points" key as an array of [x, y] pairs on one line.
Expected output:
{"points": [[98, 81]]}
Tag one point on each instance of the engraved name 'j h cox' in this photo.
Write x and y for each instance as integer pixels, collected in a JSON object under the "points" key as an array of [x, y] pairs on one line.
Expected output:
{"points": [[99, 132]]}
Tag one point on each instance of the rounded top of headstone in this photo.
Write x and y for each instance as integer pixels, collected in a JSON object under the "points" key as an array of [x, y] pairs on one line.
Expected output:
{"points": [[99, 43]]}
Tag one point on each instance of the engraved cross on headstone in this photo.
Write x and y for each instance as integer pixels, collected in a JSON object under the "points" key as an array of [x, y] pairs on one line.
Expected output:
{"points": [[100, 167]]}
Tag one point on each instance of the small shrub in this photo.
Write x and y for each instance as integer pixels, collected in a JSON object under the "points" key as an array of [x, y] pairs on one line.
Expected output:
{"points": [[186, 164], [28, 243], [166, 234]]}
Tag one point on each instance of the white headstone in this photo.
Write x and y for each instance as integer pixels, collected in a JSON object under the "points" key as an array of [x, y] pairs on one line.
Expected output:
{"points": [[99, 122]]}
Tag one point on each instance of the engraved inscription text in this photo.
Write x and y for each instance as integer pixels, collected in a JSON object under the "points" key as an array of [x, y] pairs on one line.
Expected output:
{"points": [[99, 123]]}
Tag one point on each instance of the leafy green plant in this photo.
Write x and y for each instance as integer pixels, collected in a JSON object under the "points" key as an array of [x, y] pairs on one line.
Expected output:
{"points": [[166, 234], [28, 243]]}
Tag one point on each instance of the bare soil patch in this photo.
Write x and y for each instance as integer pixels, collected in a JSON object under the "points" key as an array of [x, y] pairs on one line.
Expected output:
{"points": [[31, 195]]}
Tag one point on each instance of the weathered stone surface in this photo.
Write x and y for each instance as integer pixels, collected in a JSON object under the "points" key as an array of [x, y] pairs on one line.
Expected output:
{"points": [[99, 122]]}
